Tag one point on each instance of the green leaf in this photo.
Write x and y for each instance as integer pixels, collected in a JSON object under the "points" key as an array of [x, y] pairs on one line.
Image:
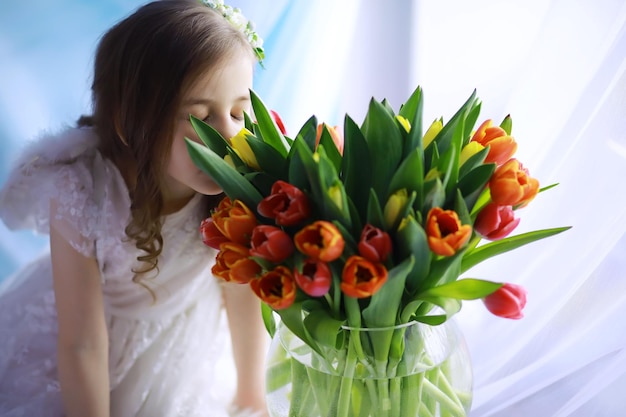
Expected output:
{"points": [[461, 209], [473, 184], [412, 105], [355, 171], [450, 306], [333, 206], [412, 110], [269, 131], [411, 240], [297, 173], [209, 136], [442, 271], [381, 312], [262, 181], [269, 159], [444, 138], [452, 174], [492, 249], [435, 195], [410, 175], [507, 124], [248, 122], [547, 187], [324, 328], [268, 319], [384, 140], [232, 182], [375, 215], [292, 317], [470, 121], [463, 289], [311, 169], [308, 132], [473, 161]]}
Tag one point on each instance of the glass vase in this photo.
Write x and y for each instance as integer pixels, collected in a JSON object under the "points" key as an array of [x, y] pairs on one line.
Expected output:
{"points": [[403, 371]]}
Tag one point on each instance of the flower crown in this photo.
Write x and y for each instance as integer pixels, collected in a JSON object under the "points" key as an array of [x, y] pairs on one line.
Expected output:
{"points": [[234, 16]]}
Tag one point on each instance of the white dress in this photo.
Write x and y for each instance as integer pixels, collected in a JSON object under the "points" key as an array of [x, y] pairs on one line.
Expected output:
{"points": [[167, 357]]}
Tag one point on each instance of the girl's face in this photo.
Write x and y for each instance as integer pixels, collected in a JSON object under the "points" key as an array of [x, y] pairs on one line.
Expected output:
{"points": [[220, 96]]}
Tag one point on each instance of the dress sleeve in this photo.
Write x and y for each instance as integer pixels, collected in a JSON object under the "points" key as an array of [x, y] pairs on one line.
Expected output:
{"points": [[44, 191]]}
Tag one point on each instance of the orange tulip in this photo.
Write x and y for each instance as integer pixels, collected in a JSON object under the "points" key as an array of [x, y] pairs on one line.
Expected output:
{"points": [[276, 288], [362, 278], [234, 220], [233, 264], [334, 134], [511, 185], [320, 240], [501, 145], [446, 234]]}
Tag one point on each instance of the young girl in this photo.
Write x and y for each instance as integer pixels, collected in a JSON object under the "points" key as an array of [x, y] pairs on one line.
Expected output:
{"points": [[123, 317]]}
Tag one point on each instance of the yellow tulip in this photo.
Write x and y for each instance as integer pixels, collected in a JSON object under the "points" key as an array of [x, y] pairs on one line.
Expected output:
{"points": [[404, 122], [229, 160], [432, 132], [469, 150], [242, 148], [396, 202], [432, 174], [334, 193]]}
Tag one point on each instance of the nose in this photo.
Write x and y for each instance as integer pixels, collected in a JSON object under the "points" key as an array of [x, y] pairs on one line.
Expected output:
{"points": [[226, 126]]}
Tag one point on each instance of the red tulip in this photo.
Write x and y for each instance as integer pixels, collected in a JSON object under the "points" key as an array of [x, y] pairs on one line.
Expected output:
{"points": [[234, 220], [234, 265], [511, 185], [271, 243], [286, 204], [315, 278], [362, 278], [502, 146], [375, 244], [276, 288], [279, 122], [211, 236], [446, 234], [321, 241], [495, 222], [508, 301]]}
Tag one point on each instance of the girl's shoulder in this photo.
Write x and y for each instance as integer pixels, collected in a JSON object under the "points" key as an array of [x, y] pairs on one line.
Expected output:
{"points": [[66, 170]]}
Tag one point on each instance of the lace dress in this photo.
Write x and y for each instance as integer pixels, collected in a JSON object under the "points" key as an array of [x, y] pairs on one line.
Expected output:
{"points": [[167, 358]]}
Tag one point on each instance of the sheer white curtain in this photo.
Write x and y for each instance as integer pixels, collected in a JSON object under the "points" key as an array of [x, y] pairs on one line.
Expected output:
{"points": [[558, 67]]}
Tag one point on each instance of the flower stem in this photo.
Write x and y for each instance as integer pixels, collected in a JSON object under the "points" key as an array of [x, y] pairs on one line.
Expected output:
{"points": [[343, 403]]}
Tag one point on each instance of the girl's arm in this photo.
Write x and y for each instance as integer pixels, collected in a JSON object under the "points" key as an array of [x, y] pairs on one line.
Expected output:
{"points": [[83, 340], [250, 342]]}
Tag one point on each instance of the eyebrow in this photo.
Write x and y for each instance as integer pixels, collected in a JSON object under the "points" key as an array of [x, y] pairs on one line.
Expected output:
{"points": [[194, 101]]}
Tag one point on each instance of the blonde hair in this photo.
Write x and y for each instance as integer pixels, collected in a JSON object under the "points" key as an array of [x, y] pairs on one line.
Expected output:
{"points": [[143, 66]]}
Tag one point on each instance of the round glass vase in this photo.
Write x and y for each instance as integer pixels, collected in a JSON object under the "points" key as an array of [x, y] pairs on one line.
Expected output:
{"points": [[408, 370]]}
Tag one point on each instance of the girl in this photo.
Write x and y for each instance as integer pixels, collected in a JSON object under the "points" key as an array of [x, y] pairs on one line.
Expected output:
{"points": [[123, 317]]}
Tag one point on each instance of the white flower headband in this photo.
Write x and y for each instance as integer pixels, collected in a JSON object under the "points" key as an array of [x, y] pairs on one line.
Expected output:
{"points": [[239, 21]]}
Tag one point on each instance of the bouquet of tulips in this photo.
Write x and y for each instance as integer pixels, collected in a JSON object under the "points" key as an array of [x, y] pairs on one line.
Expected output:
{"points": [[368, 228]]}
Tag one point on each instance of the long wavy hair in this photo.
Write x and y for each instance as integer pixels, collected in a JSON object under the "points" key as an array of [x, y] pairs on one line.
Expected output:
{"points": [[143, 66]]}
